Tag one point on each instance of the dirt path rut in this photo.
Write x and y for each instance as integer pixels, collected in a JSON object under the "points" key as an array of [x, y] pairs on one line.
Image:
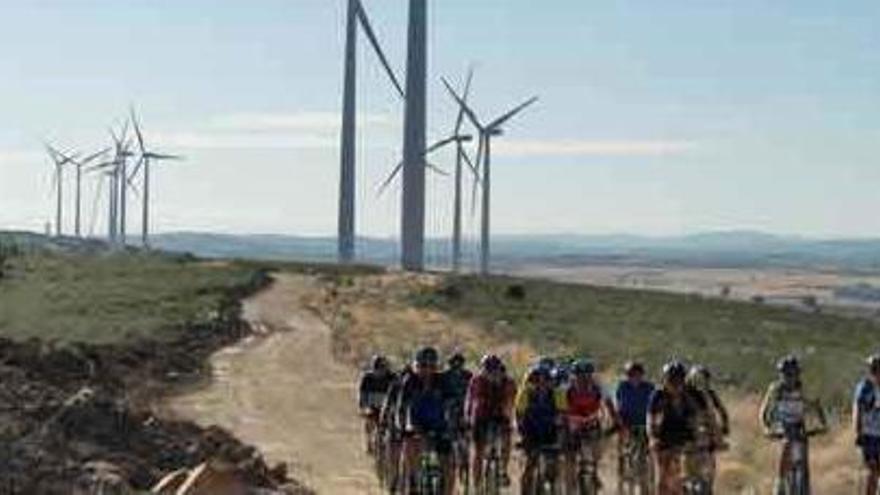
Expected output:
{"points": [[286, 394]]}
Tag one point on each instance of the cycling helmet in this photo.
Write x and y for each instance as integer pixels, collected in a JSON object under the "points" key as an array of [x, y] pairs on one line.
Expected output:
{"points": [[674, 371], [379, 363], [546, 362], [537, 371], [789, 365], [873, 362], [633, 367], [427, 356], [583, 367], [699, 377], [456, 360], [491, 362]]}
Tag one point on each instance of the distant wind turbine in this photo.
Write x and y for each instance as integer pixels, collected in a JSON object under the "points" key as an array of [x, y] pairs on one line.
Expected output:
{"points": [[346, 228], [484, 160], [60, 160], [146, 158], [79, 164]]}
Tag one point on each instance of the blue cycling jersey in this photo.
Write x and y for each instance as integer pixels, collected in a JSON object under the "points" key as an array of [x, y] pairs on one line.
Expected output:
{"points": [[632, 402]]}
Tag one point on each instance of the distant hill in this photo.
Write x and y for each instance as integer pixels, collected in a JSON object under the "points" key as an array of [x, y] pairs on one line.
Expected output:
{"points": [[734, 249]]}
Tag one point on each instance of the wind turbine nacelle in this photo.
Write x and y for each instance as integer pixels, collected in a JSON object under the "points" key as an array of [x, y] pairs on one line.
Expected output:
{"points": [[466, 138], [496, 132]]}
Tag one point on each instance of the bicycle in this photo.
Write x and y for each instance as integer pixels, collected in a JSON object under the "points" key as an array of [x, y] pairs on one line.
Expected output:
{"points": [[635, 469], [796, 481], [491, 470], [586, 439], [546, 478], [461, 459], [431, 478]]}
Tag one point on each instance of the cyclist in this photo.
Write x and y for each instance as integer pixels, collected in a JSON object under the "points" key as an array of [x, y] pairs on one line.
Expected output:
{"points": [[632, 397], [866, 421], [457, 378], [671, 414], [421, 411], [584, 403], [490, 401], [373, 389], [785, 407], [712, 422], [537, 418], [388, 420]]}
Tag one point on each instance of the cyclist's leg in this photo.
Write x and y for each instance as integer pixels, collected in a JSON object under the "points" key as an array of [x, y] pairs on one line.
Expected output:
{"points": [[570, 465], [527, 479], [479, 448], [447, 463], [506, 432], [783, 467], [596, 451], [412, 448], [870, 447], [668, 471]]}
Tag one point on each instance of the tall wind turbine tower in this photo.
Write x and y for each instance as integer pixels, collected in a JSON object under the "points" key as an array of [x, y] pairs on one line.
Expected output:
{"points": [[415, 121], [347, 211], [347, 153]]}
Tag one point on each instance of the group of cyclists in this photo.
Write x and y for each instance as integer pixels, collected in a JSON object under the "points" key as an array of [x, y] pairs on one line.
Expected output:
{"points": [[668, 434]]}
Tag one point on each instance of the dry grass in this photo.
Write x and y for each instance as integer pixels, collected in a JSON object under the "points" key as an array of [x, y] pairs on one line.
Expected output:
{"points": [[371, 314]]}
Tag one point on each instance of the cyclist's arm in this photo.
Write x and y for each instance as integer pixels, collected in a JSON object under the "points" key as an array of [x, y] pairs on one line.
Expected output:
{"points": [[768, 405], [820, 414], [721, 410], [363, 392], [611, 410], [469, 399], [858, 409], [654, 417], [509, 398]]}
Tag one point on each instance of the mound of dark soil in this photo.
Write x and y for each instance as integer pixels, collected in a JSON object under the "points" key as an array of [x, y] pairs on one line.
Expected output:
{"points": [[74, 417]]}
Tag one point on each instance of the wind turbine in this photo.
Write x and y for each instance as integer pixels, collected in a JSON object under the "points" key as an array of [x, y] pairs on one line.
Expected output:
{"points": [[145, 160], [412, 225], [79, 164], [115, 169], [461, 157], [484, 159], [346, 228], [60, 160]]}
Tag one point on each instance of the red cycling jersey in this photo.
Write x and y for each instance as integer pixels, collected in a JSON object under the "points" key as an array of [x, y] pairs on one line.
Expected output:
{"points": [[584, 403], [490, 400]]}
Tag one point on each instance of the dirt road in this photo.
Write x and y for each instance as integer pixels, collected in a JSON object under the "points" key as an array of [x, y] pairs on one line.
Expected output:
{"points": [[286, 394]]}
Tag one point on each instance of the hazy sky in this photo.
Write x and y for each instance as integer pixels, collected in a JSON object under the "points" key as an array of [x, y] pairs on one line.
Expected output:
{"points": [[655, 117]]}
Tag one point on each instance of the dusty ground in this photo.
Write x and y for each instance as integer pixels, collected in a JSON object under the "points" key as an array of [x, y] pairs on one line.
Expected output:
{"points": [[287, 394]]}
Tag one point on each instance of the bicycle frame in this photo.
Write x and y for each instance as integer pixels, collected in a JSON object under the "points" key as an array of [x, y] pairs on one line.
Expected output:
{"points": [[796, 441], [635, 469], [491, 468]]}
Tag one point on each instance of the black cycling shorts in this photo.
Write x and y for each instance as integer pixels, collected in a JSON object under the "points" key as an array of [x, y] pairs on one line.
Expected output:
{"points": [[480, 433]]}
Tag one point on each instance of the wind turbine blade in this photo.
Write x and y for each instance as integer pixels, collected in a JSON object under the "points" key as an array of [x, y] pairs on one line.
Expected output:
{"points": [[371, 35], [137, 129], [93, 156], [137, 168], [470, 164], [509, 115], [464, 98], [464, 106], [390, 178], [439, 144], [160, 156], [478, 181], [437, 169]]}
